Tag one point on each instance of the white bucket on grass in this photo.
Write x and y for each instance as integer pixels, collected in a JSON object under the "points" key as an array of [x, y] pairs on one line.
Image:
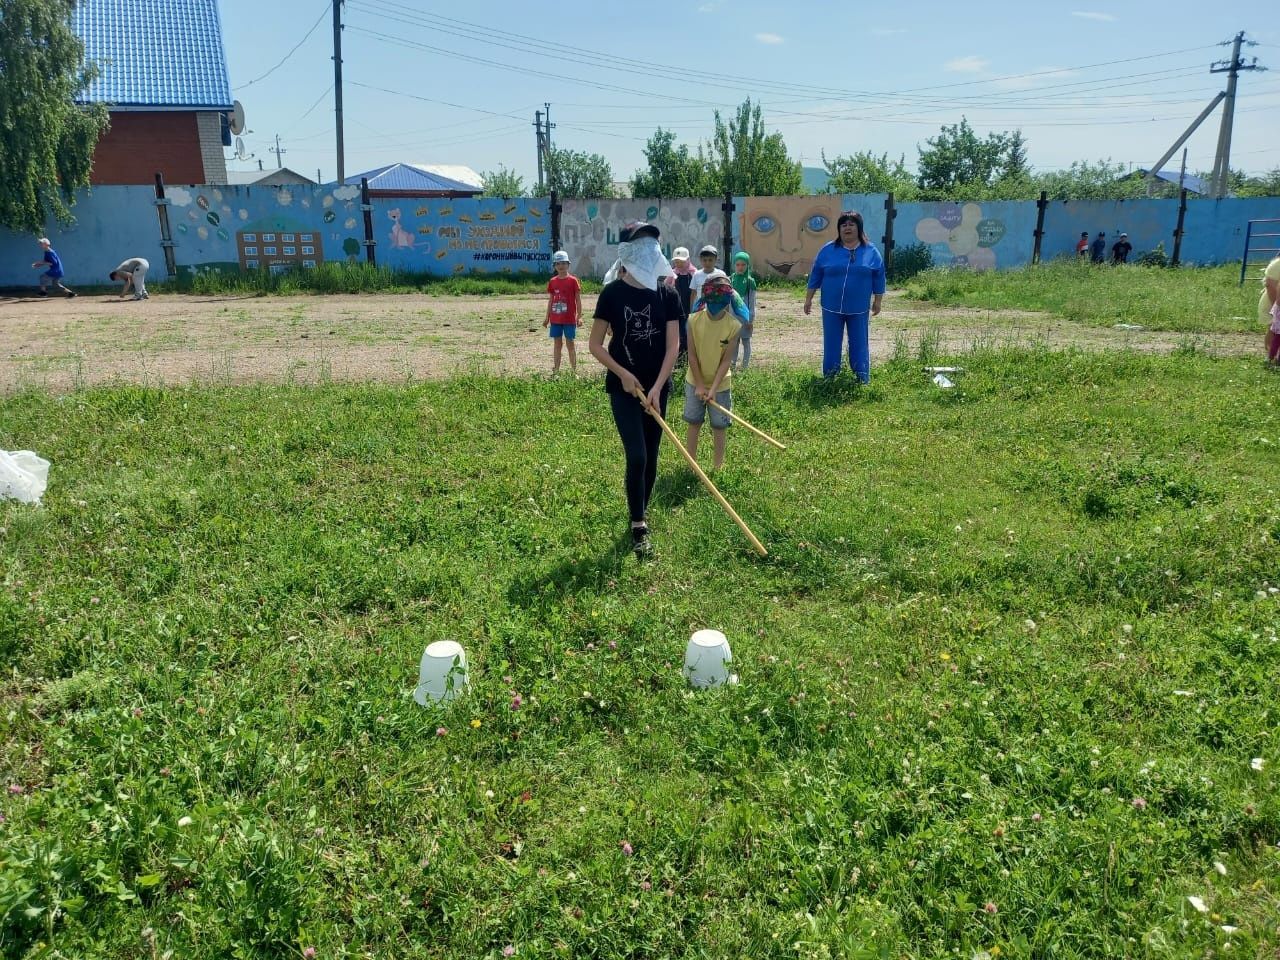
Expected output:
{"points": [[442, 674]]}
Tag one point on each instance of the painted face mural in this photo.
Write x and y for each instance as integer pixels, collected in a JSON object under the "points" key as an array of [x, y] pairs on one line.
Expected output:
{"points": [[784, 234]]}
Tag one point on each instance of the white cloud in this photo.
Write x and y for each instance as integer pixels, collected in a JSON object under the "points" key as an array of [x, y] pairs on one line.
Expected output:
{"points": [[1093, 15], [769, 38], [711, 6], [887, 31], [966, 65]]}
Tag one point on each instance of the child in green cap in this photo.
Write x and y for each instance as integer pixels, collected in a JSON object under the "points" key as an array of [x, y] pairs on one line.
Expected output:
{"points": [[745, 286]]}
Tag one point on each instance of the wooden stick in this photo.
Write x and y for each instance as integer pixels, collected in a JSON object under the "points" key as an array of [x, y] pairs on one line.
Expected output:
{"points": [[706, 481], [737, 419]]}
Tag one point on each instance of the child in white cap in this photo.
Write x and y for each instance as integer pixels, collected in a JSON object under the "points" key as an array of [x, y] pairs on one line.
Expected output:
{"points": [[564, 311], [53, 275]]}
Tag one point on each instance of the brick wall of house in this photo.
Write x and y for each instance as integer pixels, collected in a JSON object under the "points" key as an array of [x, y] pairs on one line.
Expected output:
{"points": [[141, 144], [215, 162]]}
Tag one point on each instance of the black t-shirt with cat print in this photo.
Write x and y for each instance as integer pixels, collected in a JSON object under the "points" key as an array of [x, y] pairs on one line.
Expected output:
{"points": [[637, 318]]}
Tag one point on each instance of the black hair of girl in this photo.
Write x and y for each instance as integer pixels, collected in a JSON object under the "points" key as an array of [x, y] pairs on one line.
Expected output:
{"points": [[857, 222]]}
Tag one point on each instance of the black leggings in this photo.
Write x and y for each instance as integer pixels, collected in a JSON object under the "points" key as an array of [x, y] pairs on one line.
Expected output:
{"points": [[640, 435]]}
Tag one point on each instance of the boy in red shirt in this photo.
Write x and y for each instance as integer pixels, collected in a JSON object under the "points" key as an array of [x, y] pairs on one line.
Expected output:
{"points": [[564, 310]]}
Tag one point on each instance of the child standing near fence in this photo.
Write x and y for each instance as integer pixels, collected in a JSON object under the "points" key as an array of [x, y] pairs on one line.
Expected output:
{"points": [[744, 283], [564, 311]]}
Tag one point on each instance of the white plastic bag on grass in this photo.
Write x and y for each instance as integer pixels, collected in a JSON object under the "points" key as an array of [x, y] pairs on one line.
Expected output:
{"points": [[23, 476]]}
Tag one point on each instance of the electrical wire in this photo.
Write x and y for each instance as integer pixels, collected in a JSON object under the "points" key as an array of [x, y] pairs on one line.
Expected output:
{"points": [[541, 47], [305, 38], [801, 118]]}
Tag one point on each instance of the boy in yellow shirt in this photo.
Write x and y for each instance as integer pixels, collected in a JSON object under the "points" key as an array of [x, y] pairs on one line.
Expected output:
{"points": [[714, 329]]}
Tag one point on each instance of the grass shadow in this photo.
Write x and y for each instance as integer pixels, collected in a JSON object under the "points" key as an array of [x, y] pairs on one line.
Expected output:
{"points": [[675, 487], [571, 575], [823, 393]]}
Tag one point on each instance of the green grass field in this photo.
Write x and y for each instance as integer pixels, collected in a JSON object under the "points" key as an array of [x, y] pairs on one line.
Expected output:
{"points": [[1191, 299], [1003, 674]]}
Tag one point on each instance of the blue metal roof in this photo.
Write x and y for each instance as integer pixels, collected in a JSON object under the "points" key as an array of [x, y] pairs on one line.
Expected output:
{"points": [[1194, 184], [154, 53], [404, 176]]}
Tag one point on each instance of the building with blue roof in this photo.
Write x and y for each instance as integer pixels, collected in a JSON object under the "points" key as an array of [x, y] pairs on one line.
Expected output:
{"points": [[409, 181], [162, 71]]}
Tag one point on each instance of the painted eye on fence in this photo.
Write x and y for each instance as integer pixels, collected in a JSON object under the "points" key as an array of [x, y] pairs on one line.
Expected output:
{"points": [[764, 224], [817, 223]]}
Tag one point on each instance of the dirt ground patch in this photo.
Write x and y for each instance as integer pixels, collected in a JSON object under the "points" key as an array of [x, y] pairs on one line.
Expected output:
{"points": [[59, 344]]}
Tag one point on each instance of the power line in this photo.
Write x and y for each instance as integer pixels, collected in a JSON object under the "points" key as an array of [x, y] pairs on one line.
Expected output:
{"points": [[310, 109], [802, 118], [307, 36], [545, 48], [414, 96]]}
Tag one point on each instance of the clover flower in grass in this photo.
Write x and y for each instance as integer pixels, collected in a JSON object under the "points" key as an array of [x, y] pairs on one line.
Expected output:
{"points": [[1257, 763], [1198, 903], [442, 731], [509, 951], [517, 701], [1139, 803], [17, 788], [626, 849], [990, 907], [309, 952]]}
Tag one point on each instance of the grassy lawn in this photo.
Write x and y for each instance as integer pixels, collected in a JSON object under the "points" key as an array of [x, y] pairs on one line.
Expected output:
{"points": [[1003, 674], [362, 278], [1191, 300]]}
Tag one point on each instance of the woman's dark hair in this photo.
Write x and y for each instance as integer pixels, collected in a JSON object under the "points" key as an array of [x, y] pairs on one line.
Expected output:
{"points": [[850, 216]]}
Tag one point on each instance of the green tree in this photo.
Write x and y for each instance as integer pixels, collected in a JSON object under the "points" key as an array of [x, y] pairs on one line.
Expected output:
{"points": [[46, 139], [958, 164], [673, 171], [1265, 185], [576, 174], [502, 183], [864, 172], [747, 162]]}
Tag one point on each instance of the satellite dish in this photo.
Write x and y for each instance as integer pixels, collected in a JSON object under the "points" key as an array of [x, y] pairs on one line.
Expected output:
{"points": [[240, 154], [236, 120]]}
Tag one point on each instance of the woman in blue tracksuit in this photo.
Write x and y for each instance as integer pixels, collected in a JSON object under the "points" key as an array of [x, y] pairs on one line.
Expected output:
{"points": [[850, 272]]}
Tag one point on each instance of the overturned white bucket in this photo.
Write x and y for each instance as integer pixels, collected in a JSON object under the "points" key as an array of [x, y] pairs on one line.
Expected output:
{"points": [[442, 674], [708, 660]]}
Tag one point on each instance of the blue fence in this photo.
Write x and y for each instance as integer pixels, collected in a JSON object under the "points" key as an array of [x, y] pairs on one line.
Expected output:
{"points": [[245, 228]]}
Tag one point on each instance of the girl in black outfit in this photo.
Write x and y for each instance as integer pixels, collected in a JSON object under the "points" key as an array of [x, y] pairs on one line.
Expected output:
{"points": [[642, 315]]}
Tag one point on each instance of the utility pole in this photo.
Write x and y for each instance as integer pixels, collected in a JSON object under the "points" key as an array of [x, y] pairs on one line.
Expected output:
{"points": [[546, 146], [1232, 68], [337, 87], [1221, 177], [278, 151], [537, 125]]}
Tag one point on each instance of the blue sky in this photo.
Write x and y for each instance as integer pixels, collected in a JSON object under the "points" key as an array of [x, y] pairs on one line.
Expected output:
{"points": [[430, 82]]}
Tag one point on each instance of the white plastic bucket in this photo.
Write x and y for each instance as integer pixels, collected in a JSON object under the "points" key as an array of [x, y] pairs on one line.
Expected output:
{"points": [[708, 660], [442, 674]]}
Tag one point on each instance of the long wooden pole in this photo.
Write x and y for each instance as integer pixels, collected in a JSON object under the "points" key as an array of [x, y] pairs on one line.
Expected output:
{"points": [[737, 419], [706, 481]]}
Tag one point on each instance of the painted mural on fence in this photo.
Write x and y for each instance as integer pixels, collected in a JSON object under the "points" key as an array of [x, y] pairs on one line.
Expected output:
{"points": [[784, 234], [264, 228], [450, 236], [589, 228], [235, 228], [968, 235]]}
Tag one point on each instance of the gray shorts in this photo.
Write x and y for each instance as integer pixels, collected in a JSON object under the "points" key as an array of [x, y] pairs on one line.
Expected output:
{"points": [[695, 408]]}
